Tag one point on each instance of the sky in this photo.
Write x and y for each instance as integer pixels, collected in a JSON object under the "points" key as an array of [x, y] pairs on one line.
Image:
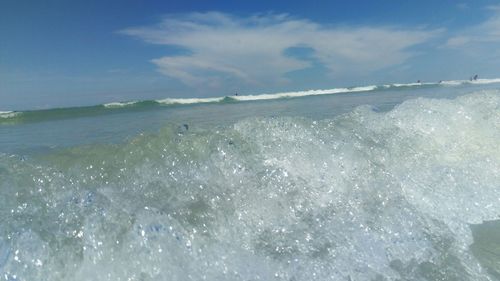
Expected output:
{"points": [[75, 53]]}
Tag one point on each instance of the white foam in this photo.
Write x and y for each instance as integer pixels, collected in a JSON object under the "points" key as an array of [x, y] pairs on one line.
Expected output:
{"points": [[365, 196], [445, 82], [453, 82], [304, 93], [8, 114], [478, 81], [485, 81], [268, 96], [411, 84], [119, 104], [189, 100]]}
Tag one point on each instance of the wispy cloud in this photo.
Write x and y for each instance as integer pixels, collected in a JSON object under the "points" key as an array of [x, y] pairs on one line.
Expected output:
{"points": [[252, 50], [477, 36]]}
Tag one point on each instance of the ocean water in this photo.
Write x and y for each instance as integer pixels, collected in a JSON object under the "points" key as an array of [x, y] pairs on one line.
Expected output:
{"points": [[394, 182]]}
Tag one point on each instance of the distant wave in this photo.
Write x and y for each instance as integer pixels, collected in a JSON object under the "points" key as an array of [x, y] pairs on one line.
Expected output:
{"points": [[189, 100], [398, 85], [303, 93], [40, 115], [119, 104], [478, 81], [8, 114]]}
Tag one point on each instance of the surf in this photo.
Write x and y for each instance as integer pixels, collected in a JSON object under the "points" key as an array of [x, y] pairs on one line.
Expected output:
{"points": [[364, 195], [17, 117]]}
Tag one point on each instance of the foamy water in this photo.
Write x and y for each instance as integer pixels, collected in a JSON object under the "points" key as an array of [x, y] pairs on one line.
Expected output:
{"points": [[8, 114], [364, 195], [119, 104]]}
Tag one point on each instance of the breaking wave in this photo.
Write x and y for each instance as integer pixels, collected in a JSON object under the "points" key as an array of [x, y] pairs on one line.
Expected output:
{"points": [[364, 196], [14, 117], [8, 114]]}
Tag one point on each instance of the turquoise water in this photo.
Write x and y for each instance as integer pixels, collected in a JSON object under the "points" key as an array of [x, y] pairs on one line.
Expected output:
{"points": [[386, 184], [32, 131]]}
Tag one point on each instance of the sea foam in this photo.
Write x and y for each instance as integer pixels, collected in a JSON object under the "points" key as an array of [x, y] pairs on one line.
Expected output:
{"points": [[303, 93], [189, 100], [8, 114], [119, 104], [363, 196]]}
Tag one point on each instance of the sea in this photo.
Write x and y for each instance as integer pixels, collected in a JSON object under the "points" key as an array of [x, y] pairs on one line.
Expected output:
{"points": [[386, 182]]}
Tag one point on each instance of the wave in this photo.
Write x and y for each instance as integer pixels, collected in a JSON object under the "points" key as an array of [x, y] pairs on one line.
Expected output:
{"points": [[15, 117], [303, 93], [170, 101], [8, 114], [364, 196], [9, 117], [477, 81], [398, 85], [120, 104]]}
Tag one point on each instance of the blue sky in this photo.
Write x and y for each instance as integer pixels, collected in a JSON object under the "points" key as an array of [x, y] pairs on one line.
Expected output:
{"points": [[68, 53]]}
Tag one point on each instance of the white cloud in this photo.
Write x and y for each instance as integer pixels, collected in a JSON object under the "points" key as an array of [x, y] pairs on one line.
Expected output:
{"points": [[457, 41], [227, 49], [473, 37]]}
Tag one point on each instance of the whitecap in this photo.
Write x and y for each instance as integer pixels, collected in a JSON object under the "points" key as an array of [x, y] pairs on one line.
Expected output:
{"points": [[189, 100], [119, 104], [9, 114]]}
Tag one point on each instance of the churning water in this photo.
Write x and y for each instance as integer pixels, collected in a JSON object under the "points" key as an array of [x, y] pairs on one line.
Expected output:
{"points": [[407, 193]]}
